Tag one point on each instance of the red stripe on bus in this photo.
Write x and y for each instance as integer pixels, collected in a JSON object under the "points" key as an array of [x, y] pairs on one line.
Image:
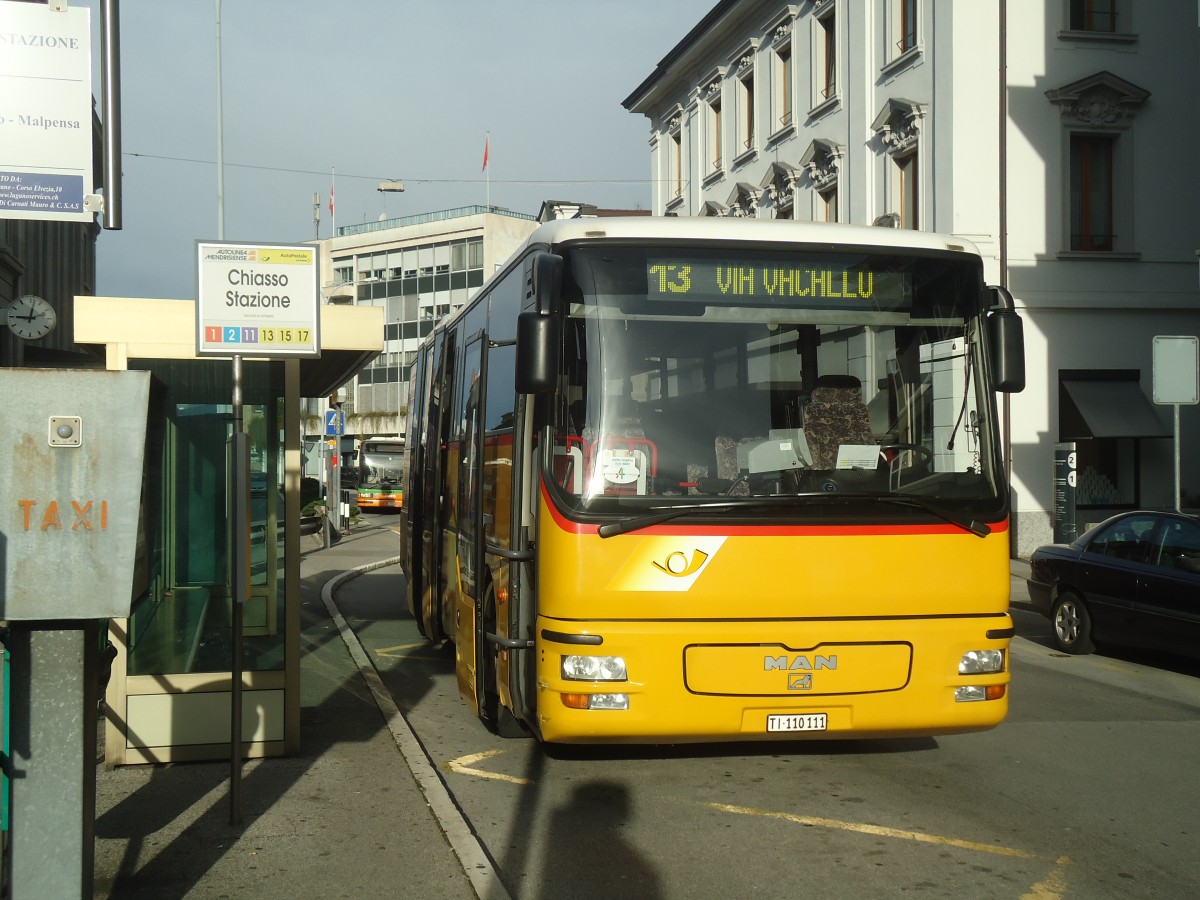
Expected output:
{"points": [[567, 525]]}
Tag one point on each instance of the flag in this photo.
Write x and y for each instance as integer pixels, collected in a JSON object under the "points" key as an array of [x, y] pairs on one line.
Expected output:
{"points": [[486, 141], [331, 201]]}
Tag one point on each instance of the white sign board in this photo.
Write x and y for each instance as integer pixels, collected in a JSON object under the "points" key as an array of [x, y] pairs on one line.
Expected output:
{"points": [[257, 300], [45, 113], [1175, 369]]}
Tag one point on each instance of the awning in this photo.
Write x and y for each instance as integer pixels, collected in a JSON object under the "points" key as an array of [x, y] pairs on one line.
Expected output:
{"points": [[144, 328], [1111, 409]]}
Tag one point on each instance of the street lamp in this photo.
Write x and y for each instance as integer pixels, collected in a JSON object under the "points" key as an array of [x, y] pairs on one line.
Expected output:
{"points": [[390, 187]]}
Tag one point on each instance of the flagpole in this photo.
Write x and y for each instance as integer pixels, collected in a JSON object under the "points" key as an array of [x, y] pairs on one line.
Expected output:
{"points": [[332, 214]]}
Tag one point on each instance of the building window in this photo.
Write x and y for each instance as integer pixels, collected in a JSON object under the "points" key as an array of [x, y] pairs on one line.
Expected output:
{"points": [[783, 86], [675, 165], [898, 128], [826, 57], [907, 25], [1097, 162], [821, 164], [712, 135], [907, 191], [1093, 15], [746, 106], [1092, 192], [827, 201]]}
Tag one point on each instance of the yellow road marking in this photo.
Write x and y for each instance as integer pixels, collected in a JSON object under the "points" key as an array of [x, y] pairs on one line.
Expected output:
{"points": [[1053, 886], [464, 766], [391, 651], [880, 830]]}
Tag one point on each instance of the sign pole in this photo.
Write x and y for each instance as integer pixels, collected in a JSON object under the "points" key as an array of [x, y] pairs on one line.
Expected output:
{"points": [[258, 300], [1176, 360], [241, 577], [1178, 480]]}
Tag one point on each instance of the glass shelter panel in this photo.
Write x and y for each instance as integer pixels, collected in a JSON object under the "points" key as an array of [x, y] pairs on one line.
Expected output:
{"points": [[182, 621]]}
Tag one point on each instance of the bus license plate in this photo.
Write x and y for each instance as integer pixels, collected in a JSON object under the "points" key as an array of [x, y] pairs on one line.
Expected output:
{"points": [[804, 722]]}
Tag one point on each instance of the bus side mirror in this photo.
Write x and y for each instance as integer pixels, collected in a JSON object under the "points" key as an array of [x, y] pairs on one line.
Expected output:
{"points": [[1007, 335], [537, 353], [547, 282]]}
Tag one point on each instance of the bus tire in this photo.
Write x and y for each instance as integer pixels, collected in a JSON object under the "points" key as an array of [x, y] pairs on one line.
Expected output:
{"points": [[496, 716]]}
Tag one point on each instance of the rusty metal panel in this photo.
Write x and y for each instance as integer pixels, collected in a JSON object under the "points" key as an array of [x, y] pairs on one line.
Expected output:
{"points": [[70, 491]]}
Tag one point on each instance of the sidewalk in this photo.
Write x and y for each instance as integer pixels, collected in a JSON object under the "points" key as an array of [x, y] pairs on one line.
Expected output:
{"points": [[345, 818]]}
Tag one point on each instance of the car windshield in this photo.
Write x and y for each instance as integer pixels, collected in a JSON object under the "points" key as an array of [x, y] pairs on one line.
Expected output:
{"points": [[689, 377]]}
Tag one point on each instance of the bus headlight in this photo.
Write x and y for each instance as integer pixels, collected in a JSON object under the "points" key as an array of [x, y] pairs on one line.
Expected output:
{"points": [[981, 662], [595, 701], [594, 668], [974, 692]]}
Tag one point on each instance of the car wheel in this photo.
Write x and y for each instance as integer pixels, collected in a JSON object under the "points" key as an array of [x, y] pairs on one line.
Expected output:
{"points": [[1072, 624]]}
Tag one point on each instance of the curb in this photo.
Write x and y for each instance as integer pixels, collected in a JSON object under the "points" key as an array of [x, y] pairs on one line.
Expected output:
{"points": [[466, 846]]}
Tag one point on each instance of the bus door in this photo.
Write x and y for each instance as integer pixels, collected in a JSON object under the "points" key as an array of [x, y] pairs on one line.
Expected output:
{"points": [[469, 545], [413, 510], [435, 499]]}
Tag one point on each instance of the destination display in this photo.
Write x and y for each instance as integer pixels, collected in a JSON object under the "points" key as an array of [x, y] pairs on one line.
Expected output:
{"points": [[769, 283]]}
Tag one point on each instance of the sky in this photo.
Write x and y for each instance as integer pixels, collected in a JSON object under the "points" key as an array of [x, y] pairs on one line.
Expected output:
{"points": [[321, 94]]}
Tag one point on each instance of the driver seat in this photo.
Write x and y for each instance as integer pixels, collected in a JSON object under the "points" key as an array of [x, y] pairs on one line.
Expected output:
{"points": [[835, 415]]}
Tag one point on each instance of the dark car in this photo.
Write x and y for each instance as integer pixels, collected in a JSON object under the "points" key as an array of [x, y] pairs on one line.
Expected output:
{"points": [[1133, 580]]}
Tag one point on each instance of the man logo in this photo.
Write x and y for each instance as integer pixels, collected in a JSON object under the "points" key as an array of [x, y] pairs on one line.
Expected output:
{"points": [[678, 565], [800, 682]]}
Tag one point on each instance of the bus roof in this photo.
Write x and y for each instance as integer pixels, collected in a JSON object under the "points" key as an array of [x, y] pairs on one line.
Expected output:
{"points": [[728, 228]]}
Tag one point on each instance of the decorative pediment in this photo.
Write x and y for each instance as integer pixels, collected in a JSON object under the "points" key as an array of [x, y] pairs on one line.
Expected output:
{"points": [[743, 201], [674, 119], [899, 125], [822, 161], [1099, 101], [780, 182], [713, 208]]}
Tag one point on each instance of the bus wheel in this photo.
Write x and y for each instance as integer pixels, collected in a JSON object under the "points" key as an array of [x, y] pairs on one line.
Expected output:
{"points": [[496, 716]]}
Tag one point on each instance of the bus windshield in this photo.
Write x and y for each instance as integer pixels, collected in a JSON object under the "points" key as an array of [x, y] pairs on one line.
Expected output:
{"points": [[382, 464], [701, 375]]}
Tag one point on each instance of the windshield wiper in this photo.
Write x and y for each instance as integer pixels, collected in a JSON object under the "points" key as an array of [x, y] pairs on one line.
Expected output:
{"points": [[636, 523], [977, 528]]}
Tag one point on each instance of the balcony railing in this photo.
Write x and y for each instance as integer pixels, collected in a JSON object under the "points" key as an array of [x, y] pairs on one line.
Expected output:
{"points": [[423, 218]]}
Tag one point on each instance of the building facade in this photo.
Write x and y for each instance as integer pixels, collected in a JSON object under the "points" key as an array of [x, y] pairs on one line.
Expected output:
{"points": [[1047, 132], [418, 269]]}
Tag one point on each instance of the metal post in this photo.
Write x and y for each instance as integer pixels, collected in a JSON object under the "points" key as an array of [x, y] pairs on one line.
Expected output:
{"points": [[240, 577], [1178, 482], [110, 90], [53, 761]]}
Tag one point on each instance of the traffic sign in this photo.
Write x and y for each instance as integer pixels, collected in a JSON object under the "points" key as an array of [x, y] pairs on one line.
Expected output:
{"points": [[335, 422]]}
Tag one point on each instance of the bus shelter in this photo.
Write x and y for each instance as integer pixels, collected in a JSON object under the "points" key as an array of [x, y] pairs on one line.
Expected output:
{"points": [[169, 696]]}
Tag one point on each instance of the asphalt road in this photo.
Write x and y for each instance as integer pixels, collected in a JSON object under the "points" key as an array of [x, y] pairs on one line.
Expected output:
{"points": [[1089, 789]]}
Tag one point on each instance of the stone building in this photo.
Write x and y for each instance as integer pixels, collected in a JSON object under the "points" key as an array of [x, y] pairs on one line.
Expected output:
{"points": [[1051, 133]]}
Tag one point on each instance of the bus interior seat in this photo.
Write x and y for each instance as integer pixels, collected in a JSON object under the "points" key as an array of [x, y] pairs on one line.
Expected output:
{"points": [[835, 415]]}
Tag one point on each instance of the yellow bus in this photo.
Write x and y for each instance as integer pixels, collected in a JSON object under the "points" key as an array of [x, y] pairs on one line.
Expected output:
{"points": [[706, 479]]}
